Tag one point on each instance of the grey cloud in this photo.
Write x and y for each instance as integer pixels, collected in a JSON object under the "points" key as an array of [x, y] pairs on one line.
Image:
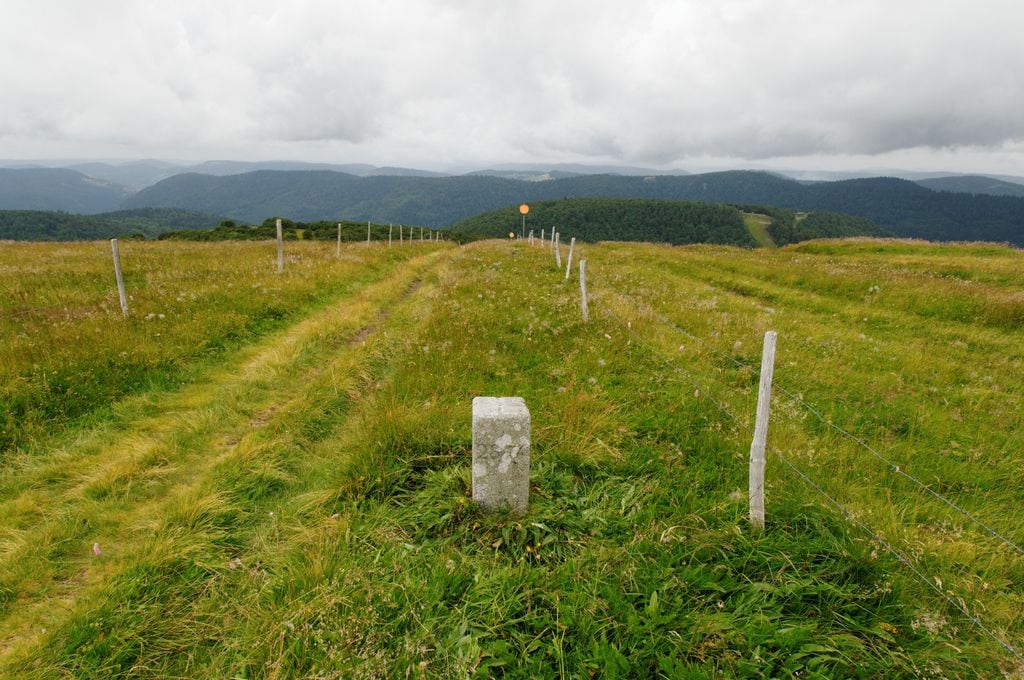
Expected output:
{"points": [[657, 81]]}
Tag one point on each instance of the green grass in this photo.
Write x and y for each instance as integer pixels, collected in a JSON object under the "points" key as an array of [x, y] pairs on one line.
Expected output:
{"points": [[300, 506], [758, 225]]}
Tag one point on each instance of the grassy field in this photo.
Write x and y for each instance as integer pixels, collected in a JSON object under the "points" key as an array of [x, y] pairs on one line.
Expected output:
{"points": [[272, 478]]}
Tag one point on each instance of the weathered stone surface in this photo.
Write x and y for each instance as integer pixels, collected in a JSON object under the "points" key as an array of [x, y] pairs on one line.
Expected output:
{"points": [[501, 453]]}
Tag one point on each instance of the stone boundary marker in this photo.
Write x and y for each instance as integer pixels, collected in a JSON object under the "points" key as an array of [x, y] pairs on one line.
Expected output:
{"points": [[501, 453]]}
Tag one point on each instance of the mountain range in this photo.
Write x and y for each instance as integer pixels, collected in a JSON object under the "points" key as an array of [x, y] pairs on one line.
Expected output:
{"points": [[938, 208]]}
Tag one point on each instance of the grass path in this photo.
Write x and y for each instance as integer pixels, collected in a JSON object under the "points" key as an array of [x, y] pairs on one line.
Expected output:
{"points": [[111, 486]]}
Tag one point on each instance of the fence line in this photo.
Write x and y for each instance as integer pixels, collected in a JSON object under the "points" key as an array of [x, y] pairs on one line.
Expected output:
{"points": [[904, 560], [893, 467], [900, 556]]}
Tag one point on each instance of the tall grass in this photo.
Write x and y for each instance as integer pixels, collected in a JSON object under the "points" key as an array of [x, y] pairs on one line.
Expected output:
{"points": [[68, 352], [301, 508]]}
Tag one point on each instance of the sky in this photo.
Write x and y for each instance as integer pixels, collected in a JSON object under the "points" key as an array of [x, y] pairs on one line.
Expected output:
{"points": [[676, 84]]}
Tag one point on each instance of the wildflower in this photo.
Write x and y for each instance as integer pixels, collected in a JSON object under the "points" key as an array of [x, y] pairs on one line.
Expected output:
{"points": [[96, 549]]}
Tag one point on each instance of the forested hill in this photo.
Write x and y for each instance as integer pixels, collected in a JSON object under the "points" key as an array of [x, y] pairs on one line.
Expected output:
{"points": [[38, 225], [903, 207], [662, 221], [619, 219], [57, 189]]}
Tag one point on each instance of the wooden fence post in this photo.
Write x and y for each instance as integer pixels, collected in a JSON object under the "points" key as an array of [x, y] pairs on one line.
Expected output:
{"points": [[558, 251], [338, 252], [390, 227], [119, 277], [280, 247], [367, 232], [757, 446]]}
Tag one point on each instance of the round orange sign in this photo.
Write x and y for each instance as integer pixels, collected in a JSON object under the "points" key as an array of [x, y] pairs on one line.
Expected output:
{"points": [[524, 208]]}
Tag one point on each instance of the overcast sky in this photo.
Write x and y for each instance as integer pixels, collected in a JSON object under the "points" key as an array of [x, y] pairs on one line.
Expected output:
{"points": [[818, 84]]}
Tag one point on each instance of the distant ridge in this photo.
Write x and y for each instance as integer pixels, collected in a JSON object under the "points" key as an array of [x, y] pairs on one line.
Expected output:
{"points": [[974, 184], [57, 189], [406, 196], [901, 206]]}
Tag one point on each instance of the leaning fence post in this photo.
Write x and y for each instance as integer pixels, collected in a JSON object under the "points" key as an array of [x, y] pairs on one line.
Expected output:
{"points": [[568, 266], [757, 446], [119, 277], [558, 251], [280, 248], [367, 232], [583, 290], [338, 252]]}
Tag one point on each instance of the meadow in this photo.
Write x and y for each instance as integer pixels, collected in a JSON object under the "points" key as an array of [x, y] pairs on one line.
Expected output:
{"points": [[267, 476]]}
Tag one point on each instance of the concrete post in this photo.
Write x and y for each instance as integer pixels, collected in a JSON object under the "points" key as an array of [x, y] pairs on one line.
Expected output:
{"points": [[501, 453]]}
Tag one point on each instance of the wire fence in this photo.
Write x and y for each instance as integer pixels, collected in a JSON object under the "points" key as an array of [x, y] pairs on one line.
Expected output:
{"points": [[744, 429], [893, 467]]}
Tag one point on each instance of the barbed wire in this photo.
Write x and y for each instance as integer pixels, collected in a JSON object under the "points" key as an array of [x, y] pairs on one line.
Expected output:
{"points": [[900, 556], [892, 466], [903, 559]]}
